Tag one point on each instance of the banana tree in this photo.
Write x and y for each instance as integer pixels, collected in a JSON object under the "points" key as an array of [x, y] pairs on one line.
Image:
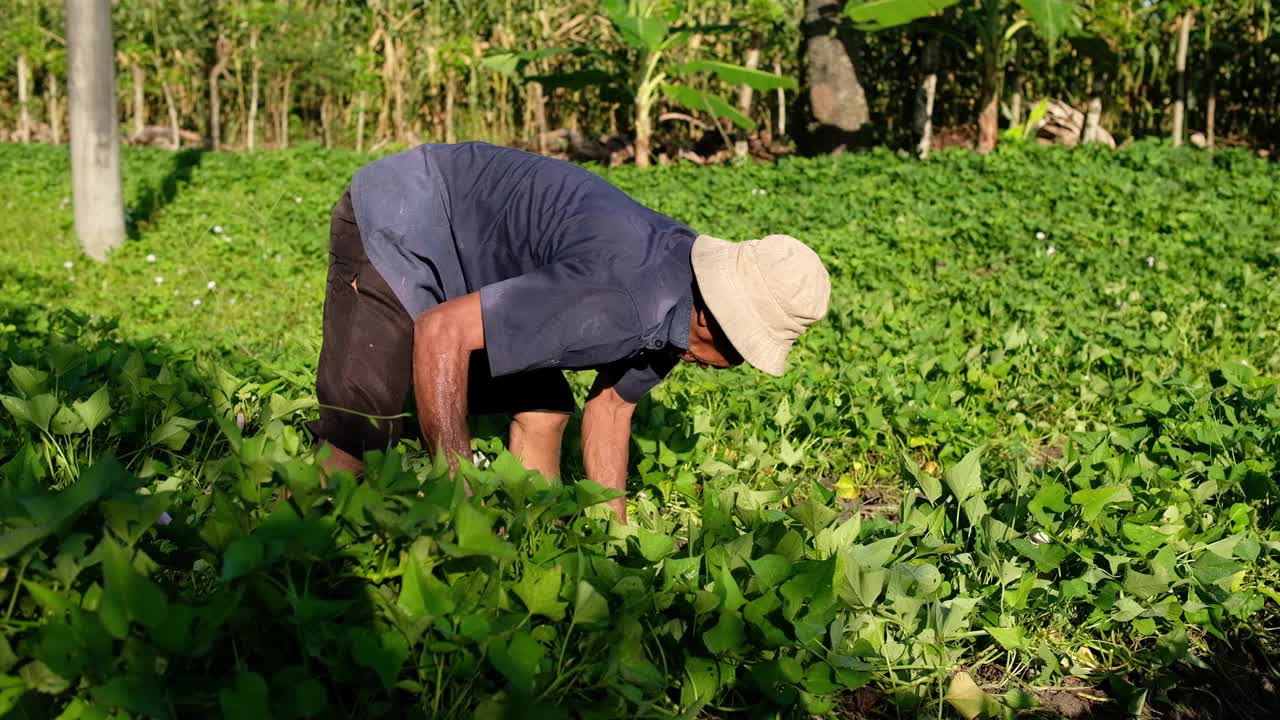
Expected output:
{"points": [[643, 73], [997, 23]]}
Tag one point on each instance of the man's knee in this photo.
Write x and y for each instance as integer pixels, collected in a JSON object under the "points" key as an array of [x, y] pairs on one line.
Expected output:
{"points": [[541, 424]]}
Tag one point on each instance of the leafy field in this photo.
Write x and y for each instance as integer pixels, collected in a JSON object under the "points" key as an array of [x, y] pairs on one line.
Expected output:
{"points": [[1028, 465]]}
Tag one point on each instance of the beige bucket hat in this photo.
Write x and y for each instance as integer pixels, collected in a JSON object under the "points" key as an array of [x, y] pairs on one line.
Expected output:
{"points": [[764, 293]]}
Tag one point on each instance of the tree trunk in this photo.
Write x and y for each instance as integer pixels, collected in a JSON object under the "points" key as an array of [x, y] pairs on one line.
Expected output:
{"points": [[97, 200], [139, 75], [1211, 109], [255, 69], [286, 94], [450, 97], [923, 124], [221, 50], [539, 103], [644, 136], [988, 115], [1180, 78], [55, 109], [1015, 98], [835, 104], [24, 99], [325, 130], [360, 122], [782, 102], [746, 93], [1093, 111], [172, 106]]}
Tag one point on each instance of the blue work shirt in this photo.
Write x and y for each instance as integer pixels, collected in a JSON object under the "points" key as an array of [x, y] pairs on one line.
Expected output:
{"points": [[572, 272]]}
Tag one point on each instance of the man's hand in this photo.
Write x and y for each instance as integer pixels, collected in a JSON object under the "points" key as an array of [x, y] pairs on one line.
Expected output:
{"points": [[606, 439], [443, 340]]}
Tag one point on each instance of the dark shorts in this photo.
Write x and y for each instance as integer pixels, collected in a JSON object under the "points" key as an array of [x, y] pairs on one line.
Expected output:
{"points": [[366, 357]]}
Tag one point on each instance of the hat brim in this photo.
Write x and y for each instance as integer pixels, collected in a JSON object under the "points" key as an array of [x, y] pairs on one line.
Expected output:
{"points": [[715, 266]]}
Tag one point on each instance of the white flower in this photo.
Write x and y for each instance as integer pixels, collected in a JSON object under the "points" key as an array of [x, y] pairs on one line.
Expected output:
{"points": [[1039, 235], [164, 519], [1222, 306], [1151, 261], [1051, 251], [217, 229], [195, 303], [68, 264], [71, 278], [642, 495], [151, 258], [212, 285], [297, 199], [158, 280], [1039, 538]]}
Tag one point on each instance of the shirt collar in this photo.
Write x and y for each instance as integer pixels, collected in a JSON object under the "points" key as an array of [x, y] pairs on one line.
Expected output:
{"points": [[678, 321]]}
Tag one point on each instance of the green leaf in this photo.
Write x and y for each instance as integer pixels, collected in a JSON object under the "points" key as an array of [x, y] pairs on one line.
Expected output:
{"points": [[94, 410], [37, 411], [246, 699], [1009, 638], [758, 80], [383, 652], [242, 557], [173, 433], [589, 606], [127, 596], [770, 570], [929, 485], [1047, 556], [728, 634], [655, 546], [518, 659], [29, 381], [539, 590], [1052, 18], [964, 479], [711, 104], [1213, 569], [138, 693], [640, 31], [812, 516], [881, 14], [1094, 501], [475, 532]]}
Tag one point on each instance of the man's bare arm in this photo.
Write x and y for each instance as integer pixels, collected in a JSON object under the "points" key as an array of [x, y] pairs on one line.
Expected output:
{"points": [[606, 440], [443, 339]]}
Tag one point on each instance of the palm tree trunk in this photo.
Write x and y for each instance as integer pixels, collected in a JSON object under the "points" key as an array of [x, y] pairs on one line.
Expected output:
{"points": [[1180, 78], [989, 111], [782, 101], [221, 48], [96, 196], [360, 122], [139, 75], [746, 92], [255, 69], [325, 130], [176, 141], [923, 124], [286, 94], [1093, 114], [450, 98], [24, 99], [1210, 110], [55, 109]]}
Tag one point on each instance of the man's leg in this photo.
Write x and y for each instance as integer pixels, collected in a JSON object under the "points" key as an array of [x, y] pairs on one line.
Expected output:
{"points": [[366, 353], [536, 438]]}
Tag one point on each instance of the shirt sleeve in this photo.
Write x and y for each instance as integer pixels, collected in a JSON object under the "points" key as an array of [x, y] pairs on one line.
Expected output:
{"points": [[632, 379], [567, 315]]}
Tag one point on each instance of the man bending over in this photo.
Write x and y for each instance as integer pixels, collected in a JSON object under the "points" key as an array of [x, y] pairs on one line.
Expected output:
{"points": [[476, 274]]}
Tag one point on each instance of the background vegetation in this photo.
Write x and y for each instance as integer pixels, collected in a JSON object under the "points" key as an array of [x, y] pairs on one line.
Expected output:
{"points": [[1026, 465], [381, 73]]}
